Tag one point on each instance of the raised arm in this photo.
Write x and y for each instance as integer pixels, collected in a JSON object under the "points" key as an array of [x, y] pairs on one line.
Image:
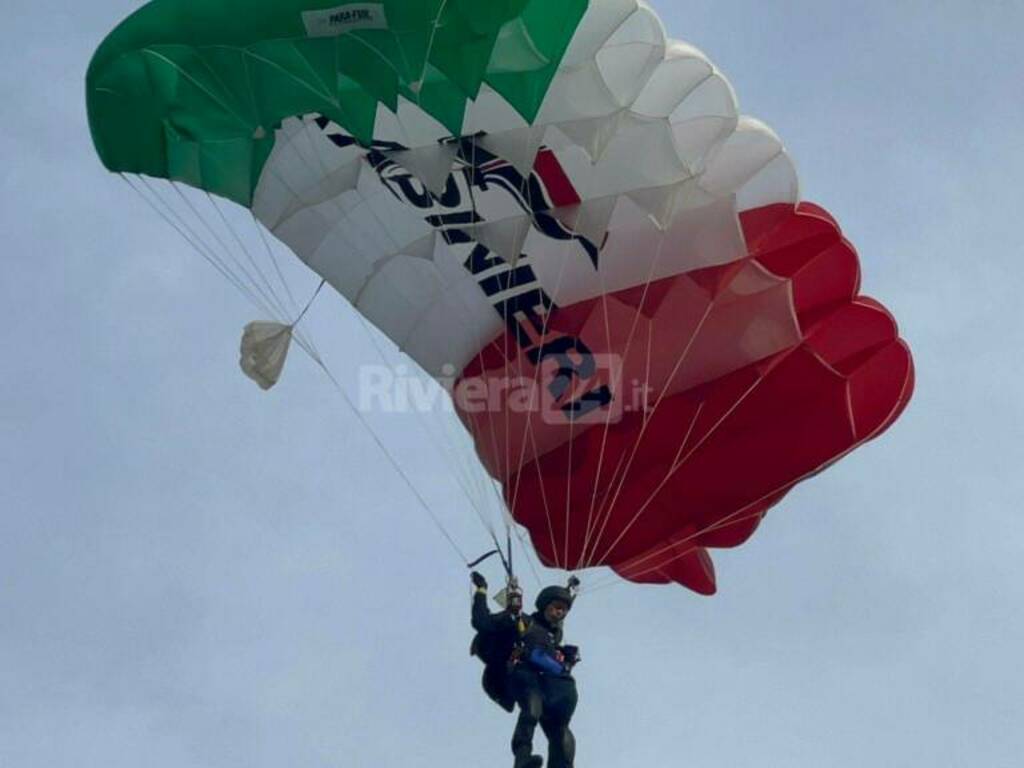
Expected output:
{"points": [[482, 619]]}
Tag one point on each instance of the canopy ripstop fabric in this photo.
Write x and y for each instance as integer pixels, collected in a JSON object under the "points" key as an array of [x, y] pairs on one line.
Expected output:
{"points": [[558, 212]]}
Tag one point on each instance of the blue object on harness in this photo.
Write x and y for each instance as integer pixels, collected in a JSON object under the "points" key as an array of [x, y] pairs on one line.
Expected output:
{"points": [[545, 662]]}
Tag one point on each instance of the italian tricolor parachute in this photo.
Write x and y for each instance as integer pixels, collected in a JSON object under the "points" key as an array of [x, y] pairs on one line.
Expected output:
{"points": [[557, 211]]}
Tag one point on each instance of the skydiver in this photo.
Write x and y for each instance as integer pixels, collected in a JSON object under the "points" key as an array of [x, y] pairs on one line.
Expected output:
{"points": [[527, 665]]}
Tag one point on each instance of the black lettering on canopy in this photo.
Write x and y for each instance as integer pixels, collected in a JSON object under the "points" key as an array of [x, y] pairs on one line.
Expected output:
{"points": [[514, 291]]}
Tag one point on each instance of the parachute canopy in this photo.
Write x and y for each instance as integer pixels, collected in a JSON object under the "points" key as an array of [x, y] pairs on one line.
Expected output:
{"points": [[654, 338]]}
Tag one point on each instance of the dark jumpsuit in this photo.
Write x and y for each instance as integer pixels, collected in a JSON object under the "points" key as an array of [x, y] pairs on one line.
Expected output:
{"points": [[545, 698]]}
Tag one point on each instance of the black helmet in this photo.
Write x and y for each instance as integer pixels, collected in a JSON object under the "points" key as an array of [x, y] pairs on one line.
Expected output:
{"points": [[548, 595]]}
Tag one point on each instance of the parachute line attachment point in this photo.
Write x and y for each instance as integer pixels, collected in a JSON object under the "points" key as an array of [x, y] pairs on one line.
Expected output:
{"points": [[309, 304]]}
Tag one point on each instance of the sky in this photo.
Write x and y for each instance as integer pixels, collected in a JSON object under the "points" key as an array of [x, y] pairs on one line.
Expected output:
{"points": [[196, 574]]}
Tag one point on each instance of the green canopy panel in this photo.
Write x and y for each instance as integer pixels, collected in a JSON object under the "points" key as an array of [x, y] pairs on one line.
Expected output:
{"points": [[194, 90]]}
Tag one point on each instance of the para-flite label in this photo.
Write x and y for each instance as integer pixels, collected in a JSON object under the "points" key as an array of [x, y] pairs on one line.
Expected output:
{"points": [[331, 22]]}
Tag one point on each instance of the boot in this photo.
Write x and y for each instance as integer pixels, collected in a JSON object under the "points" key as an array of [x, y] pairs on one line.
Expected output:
{"points": [[526, 760]]}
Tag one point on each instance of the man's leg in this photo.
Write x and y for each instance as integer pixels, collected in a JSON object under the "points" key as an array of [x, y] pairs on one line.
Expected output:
{"points": [[561, 743], [559, 705], [527, 692]]}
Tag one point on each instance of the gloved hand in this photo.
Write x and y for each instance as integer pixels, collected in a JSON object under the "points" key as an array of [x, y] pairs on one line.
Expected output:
{"points": [[478, 580], [571, 654]]}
